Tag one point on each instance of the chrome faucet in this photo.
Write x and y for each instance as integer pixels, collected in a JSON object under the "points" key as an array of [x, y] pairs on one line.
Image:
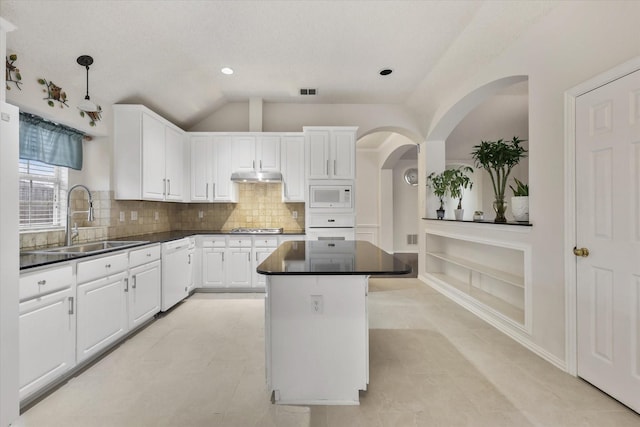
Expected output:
{"points": [[68, 232]]}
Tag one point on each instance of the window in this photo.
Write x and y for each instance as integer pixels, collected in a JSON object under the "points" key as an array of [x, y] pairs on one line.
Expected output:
{"points": [[42, 189]]}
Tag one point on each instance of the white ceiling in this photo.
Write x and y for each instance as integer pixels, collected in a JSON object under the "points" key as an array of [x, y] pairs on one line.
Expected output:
{"points": [[168, 54]]}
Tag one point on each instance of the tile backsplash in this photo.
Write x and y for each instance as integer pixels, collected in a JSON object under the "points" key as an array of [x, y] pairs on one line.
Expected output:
{"points": [[259, 205]]}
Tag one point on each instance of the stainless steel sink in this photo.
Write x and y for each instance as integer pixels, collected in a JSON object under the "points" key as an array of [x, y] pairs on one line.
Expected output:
{"points": [[88, 248]]}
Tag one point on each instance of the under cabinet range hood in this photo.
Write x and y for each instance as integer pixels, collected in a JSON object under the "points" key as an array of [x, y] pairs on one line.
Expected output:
{"points": [[253, 176]]}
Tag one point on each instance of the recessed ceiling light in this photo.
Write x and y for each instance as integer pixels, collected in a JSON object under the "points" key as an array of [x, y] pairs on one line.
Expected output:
{"points": [[386, 71], [226, 70]]}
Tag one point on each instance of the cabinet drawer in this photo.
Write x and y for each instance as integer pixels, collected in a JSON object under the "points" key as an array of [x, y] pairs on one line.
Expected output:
{"points": [[331, 220], [214, 242], [100, 267], [239, 242], [144, 255], [265, 242], [45, 281]]}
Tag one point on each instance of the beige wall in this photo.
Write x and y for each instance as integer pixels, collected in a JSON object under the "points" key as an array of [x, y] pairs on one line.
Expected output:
{"points": [[574, 42]]}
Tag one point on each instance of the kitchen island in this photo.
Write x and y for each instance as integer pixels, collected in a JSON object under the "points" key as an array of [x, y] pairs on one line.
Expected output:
{"points": [[316, 321]]}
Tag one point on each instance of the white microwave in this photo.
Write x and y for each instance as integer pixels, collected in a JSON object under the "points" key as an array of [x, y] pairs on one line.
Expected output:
{"points": [[330, 196]]}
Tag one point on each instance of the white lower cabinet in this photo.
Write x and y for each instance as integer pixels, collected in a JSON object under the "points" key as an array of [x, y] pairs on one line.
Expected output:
{"points": [[102, 314], [213, 271], [239, 268], [230, 262], [262, 248], [47, 339], [144, 293]]}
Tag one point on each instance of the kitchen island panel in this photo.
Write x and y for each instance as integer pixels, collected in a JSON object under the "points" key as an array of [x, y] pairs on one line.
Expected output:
{"points": [[317, 343]]}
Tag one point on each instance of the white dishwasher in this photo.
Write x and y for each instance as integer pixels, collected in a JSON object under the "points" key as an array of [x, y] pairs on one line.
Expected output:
{"points": [[177, 271]]}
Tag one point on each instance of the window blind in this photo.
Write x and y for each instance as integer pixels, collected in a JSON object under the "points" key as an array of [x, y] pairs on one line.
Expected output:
{"points": [[49, 142], [40, 190]]}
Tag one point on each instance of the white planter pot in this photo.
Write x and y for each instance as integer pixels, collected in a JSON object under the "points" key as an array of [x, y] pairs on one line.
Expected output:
{"points": [[520, 208], [459, 213]]}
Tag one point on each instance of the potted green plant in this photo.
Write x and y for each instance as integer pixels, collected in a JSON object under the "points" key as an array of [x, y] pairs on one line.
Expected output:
{"points": [[458, 182], [520, 201], [439, 183], [498, 158]]}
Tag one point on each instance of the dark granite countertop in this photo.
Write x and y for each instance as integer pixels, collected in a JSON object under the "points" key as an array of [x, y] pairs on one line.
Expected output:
{"points": [[31, 260], [331, 257]]}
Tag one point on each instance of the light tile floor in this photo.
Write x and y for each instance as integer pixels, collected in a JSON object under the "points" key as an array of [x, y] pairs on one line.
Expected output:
{"points": [[431, 364]]}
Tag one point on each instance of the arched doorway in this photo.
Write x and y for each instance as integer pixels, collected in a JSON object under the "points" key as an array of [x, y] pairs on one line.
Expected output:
{"points": [[387, 206]]}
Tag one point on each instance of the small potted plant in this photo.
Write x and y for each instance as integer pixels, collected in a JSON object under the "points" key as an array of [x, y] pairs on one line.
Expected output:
{"points": [[520, 201], [498, 158], [458, 182], [439, 183]]}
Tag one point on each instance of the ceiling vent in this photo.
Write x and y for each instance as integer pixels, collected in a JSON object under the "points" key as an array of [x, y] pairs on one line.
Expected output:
{"points": [[308, 91]]}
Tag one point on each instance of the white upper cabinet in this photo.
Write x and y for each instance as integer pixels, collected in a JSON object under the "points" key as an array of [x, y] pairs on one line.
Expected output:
{"points": [[268, 153], [292, 167], [201, 168], [331, 152], [149, 155], [256, 153], [223, 189]]}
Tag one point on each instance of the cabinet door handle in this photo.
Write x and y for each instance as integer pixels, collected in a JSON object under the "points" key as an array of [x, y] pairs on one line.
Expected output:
{"points": [[70, 305], [149, 255], [164, 187], [331, 220], [222, 256], [42, 282], [256, 256], [135, 281], [213, 191], [126, 284], [169, 190], [253, 164], [260, 164], [107, 266], [334, 166], [206, 191], [189, 256], [327, 167], [249, 256]]}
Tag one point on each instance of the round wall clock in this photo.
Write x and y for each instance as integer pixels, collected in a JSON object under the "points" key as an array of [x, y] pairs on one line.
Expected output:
{"points": [[411, 176]]}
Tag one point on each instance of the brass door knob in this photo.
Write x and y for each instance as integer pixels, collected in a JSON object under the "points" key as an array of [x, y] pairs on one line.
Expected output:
{"points": [[583, 252]]}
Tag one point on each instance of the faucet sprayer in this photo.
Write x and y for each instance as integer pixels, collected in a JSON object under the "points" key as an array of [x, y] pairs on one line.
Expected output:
{"points": [[68, 232]]}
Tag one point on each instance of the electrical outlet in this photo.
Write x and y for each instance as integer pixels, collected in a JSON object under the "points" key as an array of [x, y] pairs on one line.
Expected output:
{"points": [[317, 304], [121, 216], [134, 215], [295, 214], [156, 216], [200, 214]]}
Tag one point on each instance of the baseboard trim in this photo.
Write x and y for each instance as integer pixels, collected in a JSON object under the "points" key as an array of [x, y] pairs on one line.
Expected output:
{"points": [[478, 309]]}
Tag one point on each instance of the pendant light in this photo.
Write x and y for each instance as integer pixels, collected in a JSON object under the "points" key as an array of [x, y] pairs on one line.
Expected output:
{"points": [[86, 105]]}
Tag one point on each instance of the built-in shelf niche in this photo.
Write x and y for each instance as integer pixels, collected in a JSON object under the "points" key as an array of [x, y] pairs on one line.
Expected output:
{"points": [[490, 275]]}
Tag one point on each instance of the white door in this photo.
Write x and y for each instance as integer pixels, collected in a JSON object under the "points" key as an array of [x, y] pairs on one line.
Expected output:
{"points": [[144, 293], [174, 164], [223, 190], [293, 171], [153, 155], [343, 152], [102, 314], [608, 225], [260, 280], [318, 156], [239, 272], [243, 153], [201, 179], [47, 340], [213, 267], [268, 153]]}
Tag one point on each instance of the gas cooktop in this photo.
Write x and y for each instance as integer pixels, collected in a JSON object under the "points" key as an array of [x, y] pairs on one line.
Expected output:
{"points": [[243, 230]]}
